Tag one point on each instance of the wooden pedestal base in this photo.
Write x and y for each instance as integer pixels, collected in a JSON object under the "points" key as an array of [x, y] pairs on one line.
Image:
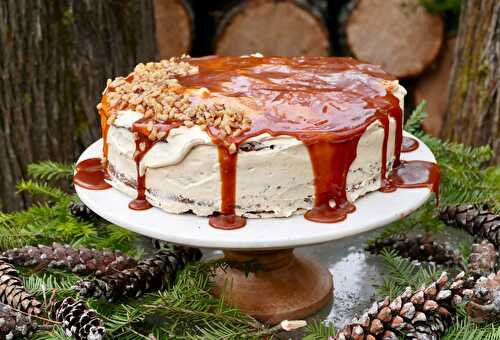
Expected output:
{"points": [[284, 286]]}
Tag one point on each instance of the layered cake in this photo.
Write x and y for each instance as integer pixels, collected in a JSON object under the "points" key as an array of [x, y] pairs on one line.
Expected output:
{"points": [[252, 136]]}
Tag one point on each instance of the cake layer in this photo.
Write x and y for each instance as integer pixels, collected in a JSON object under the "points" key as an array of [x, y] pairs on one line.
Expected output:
{"points": [[274, 176]]}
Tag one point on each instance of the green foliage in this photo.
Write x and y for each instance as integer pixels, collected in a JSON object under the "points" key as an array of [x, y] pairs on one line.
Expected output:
{"points": [[317, 330], [48, 170], [449, 9], [437, 6], [49, 220], [401, 273], [464, 329], [414, 123]]}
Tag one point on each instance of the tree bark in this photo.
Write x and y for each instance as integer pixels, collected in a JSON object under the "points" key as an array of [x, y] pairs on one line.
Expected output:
{"points": [[473, 115], [55, 57], [274, 27]]}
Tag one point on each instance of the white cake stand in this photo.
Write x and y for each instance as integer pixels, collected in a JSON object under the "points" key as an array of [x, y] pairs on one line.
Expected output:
{"points": [[286, 286]]}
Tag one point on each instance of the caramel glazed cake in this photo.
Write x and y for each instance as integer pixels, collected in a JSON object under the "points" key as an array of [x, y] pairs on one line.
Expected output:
{"points": [[252, 136]]}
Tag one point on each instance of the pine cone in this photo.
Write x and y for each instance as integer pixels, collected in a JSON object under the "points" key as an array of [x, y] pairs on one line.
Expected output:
{"points": [[482, 259], [425, 314], [81, 211], [485, 304], [478, 221], [77, 320], [419, 248], [159, 244], [81, 260], [152, 274], [12, 291], [15, 325]]}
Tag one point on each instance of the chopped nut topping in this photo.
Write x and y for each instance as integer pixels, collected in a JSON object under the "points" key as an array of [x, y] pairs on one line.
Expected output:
{"points": [[153, 89], [232, 148]]}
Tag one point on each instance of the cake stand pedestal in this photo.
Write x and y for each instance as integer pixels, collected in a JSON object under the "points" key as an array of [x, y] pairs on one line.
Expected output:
{"points": [[279, 284]]}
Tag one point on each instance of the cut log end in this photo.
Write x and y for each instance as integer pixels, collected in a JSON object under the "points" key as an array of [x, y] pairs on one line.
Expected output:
{"points": [[284, 28], [399, 35], [174, 27]]}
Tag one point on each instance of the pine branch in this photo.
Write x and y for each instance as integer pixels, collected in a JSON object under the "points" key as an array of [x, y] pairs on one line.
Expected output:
{"points": [[465, 329], [438, 6], [414, 123], [42, 189], [49, 170], [401, 273], [42, 286], [318, 330]]}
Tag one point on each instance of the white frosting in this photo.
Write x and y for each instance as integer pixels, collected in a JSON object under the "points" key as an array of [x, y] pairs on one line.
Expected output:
{"points": [[183, 173], [126, 118]]}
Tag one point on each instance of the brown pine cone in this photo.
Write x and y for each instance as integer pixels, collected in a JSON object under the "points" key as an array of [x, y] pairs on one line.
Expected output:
{"points": [[482, 259], [81, 260], [152, 274], [485, 303], [419, 248], [424, 314], [12, 292], [16, 325], [478, 221]]}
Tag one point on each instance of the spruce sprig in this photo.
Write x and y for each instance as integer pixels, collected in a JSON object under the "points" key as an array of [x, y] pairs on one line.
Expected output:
{"points": [[414, 123], [402, 273], [50, 221], [465, 329], [42, 189], [49, 170], [317, 330]]}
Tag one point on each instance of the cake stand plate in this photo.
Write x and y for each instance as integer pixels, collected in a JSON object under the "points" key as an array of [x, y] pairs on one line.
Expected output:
{"points": [[285, 286]]}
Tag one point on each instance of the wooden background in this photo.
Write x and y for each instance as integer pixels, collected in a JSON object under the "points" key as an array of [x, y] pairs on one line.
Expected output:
{"points": [[55, 57]]}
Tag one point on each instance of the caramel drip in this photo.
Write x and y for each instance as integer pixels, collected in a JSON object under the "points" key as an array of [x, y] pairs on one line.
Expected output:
{"points": [[331, 162], [90, 174], [417, 174], [397, 114], [385, 185], [104, 114], [227, 219], [409, 144], [143, 144]]}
